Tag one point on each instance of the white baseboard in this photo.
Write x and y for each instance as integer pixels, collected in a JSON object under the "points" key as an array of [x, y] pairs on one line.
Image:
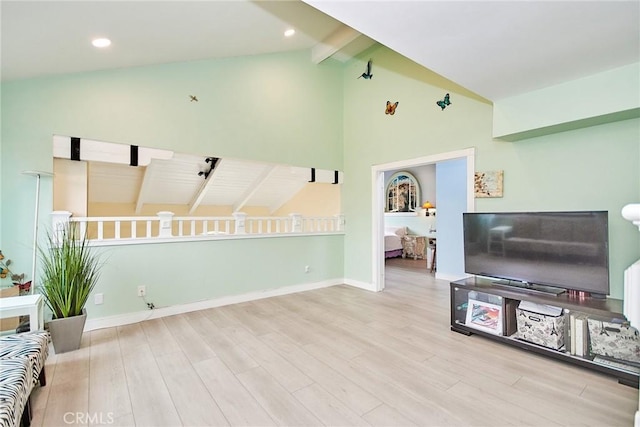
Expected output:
{"points": [[361, 285], [140, 316]]}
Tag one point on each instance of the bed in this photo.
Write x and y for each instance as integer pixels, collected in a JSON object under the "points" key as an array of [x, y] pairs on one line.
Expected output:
{"points": [[393, 241]]}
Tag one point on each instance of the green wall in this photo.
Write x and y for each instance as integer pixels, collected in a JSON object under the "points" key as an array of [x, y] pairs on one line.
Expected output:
{"points": [[276, 108], [605, 97], [418, 128], [283, 108], [186, 272], [595, 168]]}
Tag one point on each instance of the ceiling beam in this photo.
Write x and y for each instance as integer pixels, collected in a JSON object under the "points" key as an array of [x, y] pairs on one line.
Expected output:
{"points": [[254, 187], [106, 152], [202, 191], [333, 43]]}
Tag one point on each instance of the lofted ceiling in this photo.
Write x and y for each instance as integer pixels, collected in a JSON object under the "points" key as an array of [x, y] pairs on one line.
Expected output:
{"points": [[499, 49], [54, 37], [181, 180], [496, 49]]}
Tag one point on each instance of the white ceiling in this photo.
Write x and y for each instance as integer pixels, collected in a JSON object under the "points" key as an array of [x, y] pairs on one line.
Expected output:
{"points": [[493, 48], [499, 49], [54, 37]]}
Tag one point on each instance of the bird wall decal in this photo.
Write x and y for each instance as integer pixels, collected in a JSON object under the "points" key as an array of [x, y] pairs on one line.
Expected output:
{"points": [[443, 103], [367, 74]]}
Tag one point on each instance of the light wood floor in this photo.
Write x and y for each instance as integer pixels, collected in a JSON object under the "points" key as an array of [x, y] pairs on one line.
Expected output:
{"points": [[338, 356]]}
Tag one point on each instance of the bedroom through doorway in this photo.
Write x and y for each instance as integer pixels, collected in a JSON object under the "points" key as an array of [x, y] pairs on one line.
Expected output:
{"points": [[444, 180]]}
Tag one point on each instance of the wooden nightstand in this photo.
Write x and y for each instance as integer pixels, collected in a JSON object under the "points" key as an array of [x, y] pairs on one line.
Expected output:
{"points": [[413, 246]]}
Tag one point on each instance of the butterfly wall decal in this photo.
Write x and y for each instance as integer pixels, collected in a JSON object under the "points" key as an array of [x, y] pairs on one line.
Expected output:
{"points": [[443, 104], [391, 108], [367, 74]]}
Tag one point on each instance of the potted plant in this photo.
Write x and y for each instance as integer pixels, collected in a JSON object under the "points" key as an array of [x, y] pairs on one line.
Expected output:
{"points": [[70, 271]]}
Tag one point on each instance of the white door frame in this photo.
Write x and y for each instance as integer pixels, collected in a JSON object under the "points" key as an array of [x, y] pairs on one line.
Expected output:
{"points": [[378, 197]]}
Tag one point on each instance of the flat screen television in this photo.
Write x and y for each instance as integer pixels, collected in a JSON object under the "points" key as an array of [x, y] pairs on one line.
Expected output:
{"points": [[557, 250]]}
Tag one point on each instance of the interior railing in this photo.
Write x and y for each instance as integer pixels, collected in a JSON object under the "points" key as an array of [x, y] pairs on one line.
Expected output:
{"points": [[166, 227]]}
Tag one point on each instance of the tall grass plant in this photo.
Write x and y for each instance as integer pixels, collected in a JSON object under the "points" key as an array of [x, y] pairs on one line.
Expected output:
{"points": [[70, 271]]}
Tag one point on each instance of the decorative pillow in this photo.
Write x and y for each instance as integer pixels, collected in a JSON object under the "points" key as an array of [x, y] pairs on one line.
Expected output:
{"points": [[398, 231]]}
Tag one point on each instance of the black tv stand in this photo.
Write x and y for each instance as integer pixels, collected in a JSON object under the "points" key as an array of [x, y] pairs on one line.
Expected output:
{"points": [[529, 287], [509, 297]]}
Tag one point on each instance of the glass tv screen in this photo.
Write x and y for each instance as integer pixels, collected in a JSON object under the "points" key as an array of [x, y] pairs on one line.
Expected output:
{"points": [[568, 250]]}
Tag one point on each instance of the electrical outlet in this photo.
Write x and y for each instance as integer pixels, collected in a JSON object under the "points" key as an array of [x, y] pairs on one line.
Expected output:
{"points": [[307, 269], [142, 291], [98, 299]]}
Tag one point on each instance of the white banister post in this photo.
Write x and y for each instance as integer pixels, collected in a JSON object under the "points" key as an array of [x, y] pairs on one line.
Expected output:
{"points": [[240, 220], [166, 219], [296, 222], [59, 220], [631, 212], [339, 222]]}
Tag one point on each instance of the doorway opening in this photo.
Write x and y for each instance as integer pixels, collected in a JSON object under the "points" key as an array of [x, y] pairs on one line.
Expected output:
{"points": [[461, 200]]}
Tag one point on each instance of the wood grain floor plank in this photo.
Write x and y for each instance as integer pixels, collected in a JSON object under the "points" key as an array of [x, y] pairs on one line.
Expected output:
{"points": [[150, 400], [131, 336], [40, 395], [191, 398], [413, 406], [67, 399], [123, 421], [249, 315], [352, 395], [290, 377], [483, 406], [328, 409], [108, 391], [159, 337], [589, 413], [231, 354], [385, 342], [69, 392], [385, 416], [285, 409], [347, 344], [188, 339], [623, 399], [233, 399]]}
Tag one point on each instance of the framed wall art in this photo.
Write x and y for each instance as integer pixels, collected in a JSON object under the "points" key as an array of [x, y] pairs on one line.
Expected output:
{"points": [[488, 184], [403, 193]]}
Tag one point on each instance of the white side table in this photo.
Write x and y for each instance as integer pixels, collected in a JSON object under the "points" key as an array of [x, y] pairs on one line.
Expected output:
{"points": [[31, 305]]}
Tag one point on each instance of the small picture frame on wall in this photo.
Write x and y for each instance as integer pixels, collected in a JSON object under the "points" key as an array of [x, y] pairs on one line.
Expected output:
{"points": [[488, 184], [484, 316], [403, 193]]}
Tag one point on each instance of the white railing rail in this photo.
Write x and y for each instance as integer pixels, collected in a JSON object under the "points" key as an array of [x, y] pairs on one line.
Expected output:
{"points": [[167, 226]]}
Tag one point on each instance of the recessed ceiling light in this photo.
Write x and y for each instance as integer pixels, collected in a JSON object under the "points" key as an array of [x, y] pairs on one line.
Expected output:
{"points": [[289, 32], [101, 42]]}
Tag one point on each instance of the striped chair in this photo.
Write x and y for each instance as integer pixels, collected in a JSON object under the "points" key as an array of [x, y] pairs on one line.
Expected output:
{"points": [[15, 387], [31, 345]]}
